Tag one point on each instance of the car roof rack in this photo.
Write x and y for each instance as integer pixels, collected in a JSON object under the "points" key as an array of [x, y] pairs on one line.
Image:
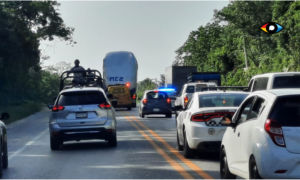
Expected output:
{"points": [[90, 78]]}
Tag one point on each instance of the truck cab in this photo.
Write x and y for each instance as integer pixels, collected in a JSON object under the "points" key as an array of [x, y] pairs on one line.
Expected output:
{"points": [[278, 80]]}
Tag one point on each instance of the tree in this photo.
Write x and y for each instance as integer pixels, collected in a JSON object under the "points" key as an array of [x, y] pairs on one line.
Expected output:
{"points": [[143, 86]]}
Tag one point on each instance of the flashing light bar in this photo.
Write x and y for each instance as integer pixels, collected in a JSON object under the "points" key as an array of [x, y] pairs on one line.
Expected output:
{"points": [[167, 89]]}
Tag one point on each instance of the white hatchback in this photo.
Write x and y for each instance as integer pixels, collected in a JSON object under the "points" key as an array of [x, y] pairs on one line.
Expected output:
{"points": [[263, 138]]}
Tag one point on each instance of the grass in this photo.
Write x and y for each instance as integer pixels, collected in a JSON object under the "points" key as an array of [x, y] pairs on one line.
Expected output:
{"points": [[17, 112]]}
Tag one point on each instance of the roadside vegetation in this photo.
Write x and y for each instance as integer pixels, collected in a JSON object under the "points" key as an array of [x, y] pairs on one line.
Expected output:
{"points": [[220, 46], [24, 86]]}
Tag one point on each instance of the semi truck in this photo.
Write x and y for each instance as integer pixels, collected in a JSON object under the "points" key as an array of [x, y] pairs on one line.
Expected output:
{"points": [[120, 68], [175, 76]]}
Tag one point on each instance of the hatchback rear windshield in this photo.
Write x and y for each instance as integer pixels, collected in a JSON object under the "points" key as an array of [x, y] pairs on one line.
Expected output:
{"points": [[156, 95], [221, 100], [286, 82], [81, 98], [190, 89], [286, 111]]}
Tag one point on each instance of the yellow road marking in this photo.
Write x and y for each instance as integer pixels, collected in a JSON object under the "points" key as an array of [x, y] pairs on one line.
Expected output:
{"points": [[171, 161], [189, 163]]}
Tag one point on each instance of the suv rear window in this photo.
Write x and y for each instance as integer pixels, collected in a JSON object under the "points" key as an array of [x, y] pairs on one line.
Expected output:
{"points": [[286, 82], [81, 98], [156, 95], [190, 89], [286, 111], [221, 100]]}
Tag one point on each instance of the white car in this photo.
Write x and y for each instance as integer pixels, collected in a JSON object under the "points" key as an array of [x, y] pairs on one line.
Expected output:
{"points": [[265, 141], [198, 125]]}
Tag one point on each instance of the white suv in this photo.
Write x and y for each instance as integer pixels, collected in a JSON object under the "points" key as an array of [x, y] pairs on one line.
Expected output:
{"points": [[263, 138]]}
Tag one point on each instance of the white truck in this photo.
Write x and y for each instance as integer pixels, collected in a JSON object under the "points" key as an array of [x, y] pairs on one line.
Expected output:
{"points": [[188, 90], [121, 67]]}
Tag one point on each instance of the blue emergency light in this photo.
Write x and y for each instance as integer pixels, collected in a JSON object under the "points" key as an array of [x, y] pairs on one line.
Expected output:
{"points": [[167, 89]]}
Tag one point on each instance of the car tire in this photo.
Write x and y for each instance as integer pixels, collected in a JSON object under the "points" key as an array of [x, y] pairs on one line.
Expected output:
{"points": [[179, 147], [5, 157], [224, 170], [129, 108], [112, 141], [187, 151], [253, 170], [169, 115], [142, 115], [54, 144]]}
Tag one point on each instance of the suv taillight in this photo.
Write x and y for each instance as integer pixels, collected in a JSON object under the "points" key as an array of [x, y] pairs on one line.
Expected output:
{"points": [[168, 101], [104, 106], [186, 100], [134, 96], [273, 128], [145, 101], [57, 108]]}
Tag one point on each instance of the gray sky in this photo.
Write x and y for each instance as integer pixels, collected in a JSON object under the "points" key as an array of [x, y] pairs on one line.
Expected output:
{"points": [[153, 31]]}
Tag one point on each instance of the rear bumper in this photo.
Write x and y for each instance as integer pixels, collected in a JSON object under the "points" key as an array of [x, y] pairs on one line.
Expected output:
{"points": [[162, 110]]}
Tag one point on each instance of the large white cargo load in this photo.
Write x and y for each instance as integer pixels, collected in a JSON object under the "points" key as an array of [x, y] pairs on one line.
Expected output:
{"points": [[121, 67]]}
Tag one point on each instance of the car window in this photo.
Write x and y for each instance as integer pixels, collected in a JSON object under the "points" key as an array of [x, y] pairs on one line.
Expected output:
{"points": [[221, 100], [190, 89], [189, 104], [286, 82], [260, 84], [257, 108], [243, 113], [81, 98], [286, 111], [156, 95]]}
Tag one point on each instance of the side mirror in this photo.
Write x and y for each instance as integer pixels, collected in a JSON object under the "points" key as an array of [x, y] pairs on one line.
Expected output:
{"points": [[226, 120], [178, 108], [110, 96], [114, 103], [50, 106], [4, 116]]}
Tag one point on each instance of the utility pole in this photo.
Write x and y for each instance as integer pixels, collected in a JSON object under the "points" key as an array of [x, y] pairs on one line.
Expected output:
{"points": [[245, 52]]}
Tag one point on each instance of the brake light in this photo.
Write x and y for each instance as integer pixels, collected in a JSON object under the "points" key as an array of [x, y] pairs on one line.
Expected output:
{"points": [[134, 96], [105, 106], [58, 108], [128, 85], [208, 116], [144, 101], [273, 128], [168, 100], [186, 100], [156, 91]]}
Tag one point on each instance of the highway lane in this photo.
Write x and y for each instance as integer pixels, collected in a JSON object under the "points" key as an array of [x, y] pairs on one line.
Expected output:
{"points": [[146, 150]]}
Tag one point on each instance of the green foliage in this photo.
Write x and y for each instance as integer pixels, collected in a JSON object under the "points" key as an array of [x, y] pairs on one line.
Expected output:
{"points": [[143, 86], [218, 46], [23, 24]]}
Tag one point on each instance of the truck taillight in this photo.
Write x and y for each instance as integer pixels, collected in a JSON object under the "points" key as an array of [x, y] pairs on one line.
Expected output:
{"points": [[186, 100], [273, 128], [168, 100], [57, 108], [134, 96], [104, 106], [144, 101], [128, 84]]}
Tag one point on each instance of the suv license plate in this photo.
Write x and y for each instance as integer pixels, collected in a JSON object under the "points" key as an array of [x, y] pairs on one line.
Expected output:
{"points": [[81, 115], [155, 109]]}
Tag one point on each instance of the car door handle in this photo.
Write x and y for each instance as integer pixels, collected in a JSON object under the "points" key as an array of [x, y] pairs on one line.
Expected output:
{"points": [[238, 134]]}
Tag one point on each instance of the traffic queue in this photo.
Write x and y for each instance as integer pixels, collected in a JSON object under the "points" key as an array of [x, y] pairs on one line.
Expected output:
{"points": [[256, 128]]}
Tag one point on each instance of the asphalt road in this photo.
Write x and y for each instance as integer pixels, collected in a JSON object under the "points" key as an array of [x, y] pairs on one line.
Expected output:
{"points": [[146, 150]]}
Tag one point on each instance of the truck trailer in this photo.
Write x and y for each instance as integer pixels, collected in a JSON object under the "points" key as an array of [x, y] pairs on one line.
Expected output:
{"points": [[119, 68]]}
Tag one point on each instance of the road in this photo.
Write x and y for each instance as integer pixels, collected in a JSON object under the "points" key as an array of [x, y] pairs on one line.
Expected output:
{"points": [[146, 150]]}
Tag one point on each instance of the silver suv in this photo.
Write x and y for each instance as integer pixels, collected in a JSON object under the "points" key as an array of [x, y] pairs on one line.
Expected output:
{"points": [[82, 114]]}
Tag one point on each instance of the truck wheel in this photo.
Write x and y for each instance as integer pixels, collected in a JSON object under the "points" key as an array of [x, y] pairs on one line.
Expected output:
{"points": [[5, 156], [54, 144], [133, 105], [129, 108]]}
